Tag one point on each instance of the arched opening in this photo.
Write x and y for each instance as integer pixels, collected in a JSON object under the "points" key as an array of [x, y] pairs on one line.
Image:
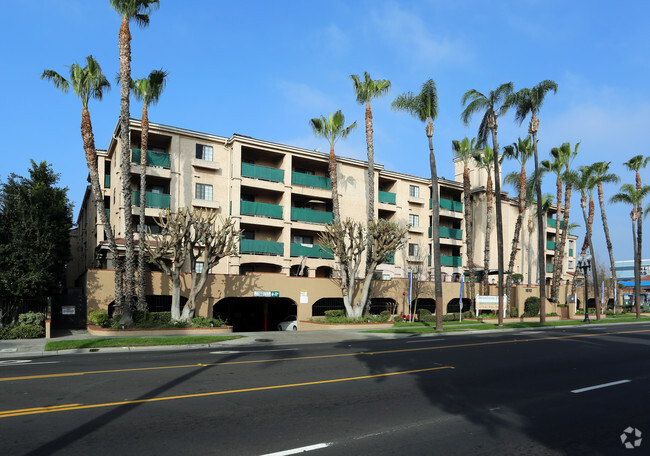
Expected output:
{"points": [[299, 271], [155, 303], [259, 267], [253, 314], [453, 306], [324, 272], [319, 307], [378, 305], [423, 303]]}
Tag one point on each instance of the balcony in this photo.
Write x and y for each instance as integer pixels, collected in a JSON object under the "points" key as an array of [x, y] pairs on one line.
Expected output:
{"points": [[309, 180], [553, 223], [455, 261], [261, 247], [107, 181], [386, 197], [154, 200], [261, 209], [262, 172], [311, 251], [549, 268], [570, 252], [550, 245], [450, 205], [309, 215], [448, 233], [157, 159], [390, 259]]}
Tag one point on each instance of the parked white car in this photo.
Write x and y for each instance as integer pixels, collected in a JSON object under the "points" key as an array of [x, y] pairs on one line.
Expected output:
{"points": [[289, 323]]}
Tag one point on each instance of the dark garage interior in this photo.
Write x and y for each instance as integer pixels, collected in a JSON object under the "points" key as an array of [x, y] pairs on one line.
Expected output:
{"points": [[254, 314]]}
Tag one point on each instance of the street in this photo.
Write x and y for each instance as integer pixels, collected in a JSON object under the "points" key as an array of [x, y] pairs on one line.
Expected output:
{"points": [[546, 391]]}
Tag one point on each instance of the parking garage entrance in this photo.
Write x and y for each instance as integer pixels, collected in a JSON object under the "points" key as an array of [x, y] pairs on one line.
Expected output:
{"points": [[254, 314]]}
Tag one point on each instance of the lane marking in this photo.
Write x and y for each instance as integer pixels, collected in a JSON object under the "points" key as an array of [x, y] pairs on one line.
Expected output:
{"points": [[41, 410], [234, 352], [421, 341], [24, 362], [340, 355], [604, 385], [304, 449]]}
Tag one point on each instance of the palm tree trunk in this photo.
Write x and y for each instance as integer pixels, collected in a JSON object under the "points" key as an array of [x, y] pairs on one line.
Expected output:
{"points": [[531, 227], [469, 237], [637, 270], [497, 186], [488, 232], [88, 139], [601, 200], [594, 270], [335, 186], [541, 260], [518, 229], [125, 83], [142, 297], [565, 220], [637, 281], [557, 266], [370, 189], [435, 227]]}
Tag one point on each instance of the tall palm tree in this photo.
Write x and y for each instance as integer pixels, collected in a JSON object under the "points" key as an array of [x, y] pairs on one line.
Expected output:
{"points": [[424, 107], [332, 128], [137, 10], [148, 91], [366, 91], [464, 150], [90, 82], [492, 105], [630, 195], [603, 176], [521, 151], [485, 159], [635, 164], [529, 101]]}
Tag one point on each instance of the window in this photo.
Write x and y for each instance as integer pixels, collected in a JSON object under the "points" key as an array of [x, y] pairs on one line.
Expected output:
{"points": [[305, 171], [570, 265], [414, 220], [414, 191], [204, 192], [204, 152], [414, 250], [199, 267], [248, 234], [303, 239]]}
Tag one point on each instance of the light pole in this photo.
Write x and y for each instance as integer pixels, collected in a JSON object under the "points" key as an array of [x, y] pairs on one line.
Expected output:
{"points": [[584, 263]]}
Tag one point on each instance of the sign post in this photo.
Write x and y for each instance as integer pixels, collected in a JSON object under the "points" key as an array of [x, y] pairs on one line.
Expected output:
{"points": [[460, 300]]}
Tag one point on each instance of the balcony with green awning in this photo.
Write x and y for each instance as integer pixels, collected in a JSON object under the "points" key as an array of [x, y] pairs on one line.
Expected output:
{"points": [[153, 200], [107, 180], [158, 159], [390, 259], [553, 223], [311, 251], [309, 180], [262, 172], [549, 268], [448, 233], [386, 197], [450, 205], [309, 215], [261, 247], [261, 209], [550, 245], [451, 260]]}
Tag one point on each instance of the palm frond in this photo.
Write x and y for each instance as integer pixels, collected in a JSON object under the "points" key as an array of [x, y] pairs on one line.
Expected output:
{"points": [[59, 81]]}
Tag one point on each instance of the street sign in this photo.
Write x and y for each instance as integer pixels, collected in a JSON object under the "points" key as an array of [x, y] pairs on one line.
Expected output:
{"points": [[266, 294]]}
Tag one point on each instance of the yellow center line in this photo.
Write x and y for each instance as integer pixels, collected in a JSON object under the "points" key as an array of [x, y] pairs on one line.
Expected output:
{"points": [[302, 358], [65, 408]]}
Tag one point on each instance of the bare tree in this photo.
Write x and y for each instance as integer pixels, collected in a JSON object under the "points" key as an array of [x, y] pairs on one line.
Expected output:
{"points": [[348, 240], [194, 235]]}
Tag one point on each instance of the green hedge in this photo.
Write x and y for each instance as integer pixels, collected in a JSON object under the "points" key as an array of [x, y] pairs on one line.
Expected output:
{"points": [[531, 307]]}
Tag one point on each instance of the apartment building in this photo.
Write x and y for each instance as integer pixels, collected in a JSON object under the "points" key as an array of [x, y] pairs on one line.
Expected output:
{"points": [[280, 196]]}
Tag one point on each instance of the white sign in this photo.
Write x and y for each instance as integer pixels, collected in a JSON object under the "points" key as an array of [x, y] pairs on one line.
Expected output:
{"points": [[266, 294], [304, 299], [490, 303], [67, 310]]}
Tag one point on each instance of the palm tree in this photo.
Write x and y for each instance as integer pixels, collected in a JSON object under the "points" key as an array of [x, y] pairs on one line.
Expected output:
{"points": [[602, 175], [424, 107], [635, 164], [332, 128], [521, 151], [465, 151], [90, 82], [629, 194], [485, 159], [139, 11], [493, 105], [148, 91], [366, 91], [529, 101]]}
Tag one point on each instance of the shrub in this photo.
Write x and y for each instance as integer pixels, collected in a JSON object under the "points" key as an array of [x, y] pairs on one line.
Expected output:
{"points": [[202, 322], [26, 332], [531, 307], [4, 332], [514, 312], [31, 318], [385, 314], [427, 317], [161, 317], [99, 318], [398, 318], [423, 312], [335, 313]]}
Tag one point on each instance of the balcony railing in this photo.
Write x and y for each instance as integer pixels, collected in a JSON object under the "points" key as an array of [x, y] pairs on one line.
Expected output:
{"points": [[311, 251], [158, 159], [310, 215], [154, 200], [570, 252], [390, 259], [262, 247], [262, 172], [549, 268], [553, 223], [261, 209], [450, 205], [451, 260], [550, 245], [448, 233], [309, 180], [107, 180], [386, 197]]}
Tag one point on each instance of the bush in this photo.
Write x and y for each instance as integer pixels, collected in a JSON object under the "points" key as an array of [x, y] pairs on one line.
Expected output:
{"points": [[26, 332], [531, 307], [99, 318], [423, 312], [385, 314], [398, 318], [514, 312], [31, 318], [335, 313], [202, 322], [427, 317]]}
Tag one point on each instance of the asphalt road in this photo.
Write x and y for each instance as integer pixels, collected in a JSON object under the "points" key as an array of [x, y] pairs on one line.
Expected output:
{"points": [[513, 393]]}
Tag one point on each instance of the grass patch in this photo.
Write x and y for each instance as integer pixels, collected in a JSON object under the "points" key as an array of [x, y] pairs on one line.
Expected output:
{"points": [[134, 342]]}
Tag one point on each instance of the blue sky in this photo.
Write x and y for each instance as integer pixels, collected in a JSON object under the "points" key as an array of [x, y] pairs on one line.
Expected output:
{"points": [[263, 69]]}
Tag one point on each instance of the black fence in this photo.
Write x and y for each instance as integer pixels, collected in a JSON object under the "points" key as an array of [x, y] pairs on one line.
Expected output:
{"points": [[11, 307]]}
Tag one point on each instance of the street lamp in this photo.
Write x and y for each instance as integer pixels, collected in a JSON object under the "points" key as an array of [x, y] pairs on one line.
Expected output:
{"points": [[584, 263]]}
